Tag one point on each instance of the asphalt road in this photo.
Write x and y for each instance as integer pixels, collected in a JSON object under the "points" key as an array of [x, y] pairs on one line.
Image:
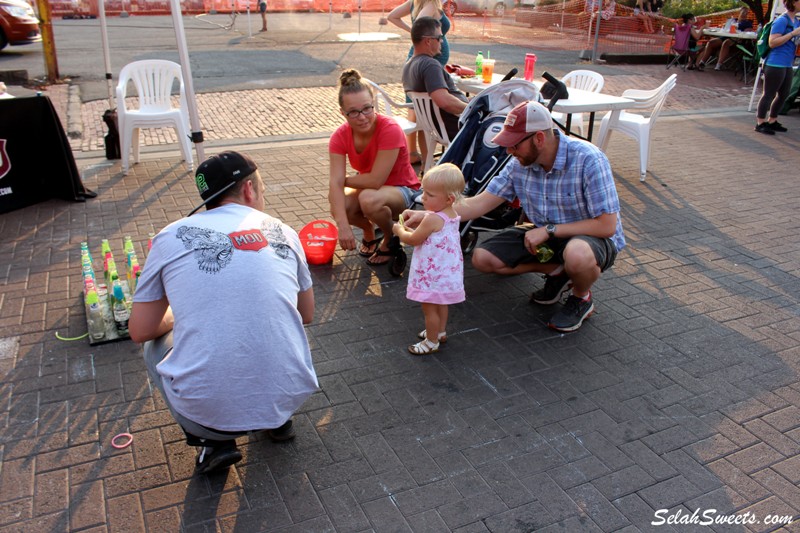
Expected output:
{"points": [[300, 50]]}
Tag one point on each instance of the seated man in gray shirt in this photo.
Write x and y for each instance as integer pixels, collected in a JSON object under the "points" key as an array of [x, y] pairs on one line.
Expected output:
{"points": [[422, 73]]}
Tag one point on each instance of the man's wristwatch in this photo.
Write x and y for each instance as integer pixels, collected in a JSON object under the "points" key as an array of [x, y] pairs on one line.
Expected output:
{"points": [[551, 230]]}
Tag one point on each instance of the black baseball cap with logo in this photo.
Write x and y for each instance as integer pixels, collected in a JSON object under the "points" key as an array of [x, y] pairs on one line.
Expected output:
{"points": [[219, 173]]}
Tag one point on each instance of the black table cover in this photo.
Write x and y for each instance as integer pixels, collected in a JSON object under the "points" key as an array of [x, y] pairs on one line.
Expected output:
{"points": [[36, 162]]}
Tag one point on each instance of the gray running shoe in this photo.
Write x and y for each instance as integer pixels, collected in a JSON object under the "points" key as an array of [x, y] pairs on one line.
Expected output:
{"points": [[572, 315]]}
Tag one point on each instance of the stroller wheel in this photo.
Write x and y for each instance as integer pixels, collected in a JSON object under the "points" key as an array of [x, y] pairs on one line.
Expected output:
{"points": [[468, 241], [397, 263]]}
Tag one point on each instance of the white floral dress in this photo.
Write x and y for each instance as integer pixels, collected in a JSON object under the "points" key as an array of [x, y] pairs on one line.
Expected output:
{"points": [[437, 266]]}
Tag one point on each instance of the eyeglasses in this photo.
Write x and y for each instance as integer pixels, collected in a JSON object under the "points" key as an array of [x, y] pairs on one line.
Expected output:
{"points": [[366, 111], [516, 146], [437, 37]]}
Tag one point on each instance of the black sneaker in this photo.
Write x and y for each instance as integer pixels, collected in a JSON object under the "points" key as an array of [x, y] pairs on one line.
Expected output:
{"points": [[283, 433], [776, 126], [572, 315], [210, 460], [764, 127], [554, 288]]}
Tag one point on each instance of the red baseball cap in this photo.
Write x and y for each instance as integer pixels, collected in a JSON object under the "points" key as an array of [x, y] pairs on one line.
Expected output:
{"points": [[525, 119]]}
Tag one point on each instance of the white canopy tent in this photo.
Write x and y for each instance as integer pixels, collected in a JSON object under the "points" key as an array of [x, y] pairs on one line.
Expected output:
{"points": [[186, 70]]}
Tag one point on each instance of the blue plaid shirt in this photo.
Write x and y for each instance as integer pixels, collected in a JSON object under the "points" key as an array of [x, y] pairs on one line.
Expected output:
{"points": [[580, 186]]}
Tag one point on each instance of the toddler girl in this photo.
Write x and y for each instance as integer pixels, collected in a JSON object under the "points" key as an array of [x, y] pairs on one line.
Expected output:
{"points": [[436, 277]]}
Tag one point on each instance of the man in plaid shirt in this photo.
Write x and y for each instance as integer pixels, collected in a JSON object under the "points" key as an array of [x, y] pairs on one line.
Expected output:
{"points": [[567, 191]]}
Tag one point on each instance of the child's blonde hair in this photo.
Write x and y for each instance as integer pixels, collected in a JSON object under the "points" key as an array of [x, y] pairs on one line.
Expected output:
{"points": [[448, 177]]}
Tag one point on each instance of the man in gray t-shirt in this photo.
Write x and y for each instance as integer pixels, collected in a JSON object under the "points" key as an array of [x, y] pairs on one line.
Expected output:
{"points": [[422, 73], [220, 307]]}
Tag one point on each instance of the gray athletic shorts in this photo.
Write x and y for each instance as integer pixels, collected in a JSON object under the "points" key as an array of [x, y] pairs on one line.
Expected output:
{"points": [[509, 247], [154, 352]]}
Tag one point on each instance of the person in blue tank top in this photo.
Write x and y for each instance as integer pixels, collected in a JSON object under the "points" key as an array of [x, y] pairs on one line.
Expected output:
{"points": [[415, 9], [778, 70], [423, 8]]}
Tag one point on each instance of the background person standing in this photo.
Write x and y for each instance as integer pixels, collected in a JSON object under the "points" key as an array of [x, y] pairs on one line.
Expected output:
{"points": [[778, 70], [262, 8]]}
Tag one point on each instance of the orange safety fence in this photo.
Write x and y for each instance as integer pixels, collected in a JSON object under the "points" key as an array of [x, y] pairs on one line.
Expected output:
{"points": [[566, 25], [558, 25], [162, 7], [59, 8]]}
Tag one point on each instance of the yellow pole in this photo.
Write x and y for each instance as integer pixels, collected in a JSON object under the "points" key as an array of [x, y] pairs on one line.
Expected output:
{"points": [[48, 43]]}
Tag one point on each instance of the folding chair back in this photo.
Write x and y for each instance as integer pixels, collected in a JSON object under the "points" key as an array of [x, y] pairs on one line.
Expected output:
{"points": [[679, 50]]}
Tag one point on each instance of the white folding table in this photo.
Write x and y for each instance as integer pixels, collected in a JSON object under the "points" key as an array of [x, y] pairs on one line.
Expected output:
{"points": [[579, 101]]}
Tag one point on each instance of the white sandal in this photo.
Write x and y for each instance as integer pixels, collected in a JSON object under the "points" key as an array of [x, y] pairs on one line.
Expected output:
{"points": [[442, 336], [424, 347]]}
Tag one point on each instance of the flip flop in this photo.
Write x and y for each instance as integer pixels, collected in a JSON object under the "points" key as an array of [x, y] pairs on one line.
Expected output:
{"points": [[372, 245], [379, 253]]}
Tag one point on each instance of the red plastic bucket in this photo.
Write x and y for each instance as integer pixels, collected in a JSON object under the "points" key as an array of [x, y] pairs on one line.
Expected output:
{"points": [[318, 239]]}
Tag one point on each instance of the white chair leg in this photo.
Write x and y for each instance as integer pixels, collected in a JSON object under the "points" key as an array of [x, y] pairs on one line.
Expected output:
{"points": [[135, 144], [125, 148], [644, 151], [431, 144], [604, 135]]}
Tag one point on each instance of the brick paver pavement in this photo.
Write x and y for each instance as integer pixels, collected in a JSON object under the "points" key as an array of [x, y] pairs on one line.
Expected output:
{"points": [[680, 393], [228, 117], [284, 112]]}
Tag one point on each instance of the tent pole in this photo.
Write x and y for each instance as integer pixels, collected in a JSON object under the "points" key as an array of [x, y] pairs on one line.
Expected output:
{"points": [[191, 102], [101, 11]]}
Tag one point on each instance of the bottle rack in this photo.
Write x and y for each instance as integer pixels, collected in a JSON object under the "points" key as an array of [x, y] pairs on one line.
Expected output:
{"points": [[102, 285], [111, 334]]}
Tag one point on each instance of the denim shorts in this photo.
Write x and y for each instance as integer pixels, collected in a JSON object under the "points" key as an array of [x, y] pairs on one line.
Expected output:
{"points": [[409, 195], [509, 247]]}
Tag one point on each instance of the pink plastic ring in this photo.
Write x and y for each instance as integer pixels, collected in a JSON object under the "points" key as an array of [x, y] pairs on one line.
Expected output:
{"points": [[122, 436]]}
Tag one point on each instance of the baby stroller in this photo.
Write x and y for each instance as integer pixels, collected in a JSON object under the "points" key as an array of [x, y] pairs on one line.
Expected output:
{"points": [[479, 159]]}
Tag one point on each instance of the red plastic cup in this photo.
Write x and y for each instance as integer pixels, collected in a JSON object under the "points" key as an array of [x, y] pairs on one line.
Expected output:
{"points": [[530, 64]]}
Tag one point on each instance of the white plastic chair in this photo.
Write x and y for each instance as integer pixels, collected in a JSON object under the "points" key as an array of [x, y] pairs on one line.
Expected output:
{"points": [[153, 79], [638, 126], [429, 120], [587, 80], [386, 105]]}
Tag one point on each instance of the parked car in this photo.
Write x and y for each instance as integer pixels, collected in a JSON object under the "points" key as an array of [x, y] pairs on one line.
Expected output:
{"points": [[498, 8], [18, 23]]}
